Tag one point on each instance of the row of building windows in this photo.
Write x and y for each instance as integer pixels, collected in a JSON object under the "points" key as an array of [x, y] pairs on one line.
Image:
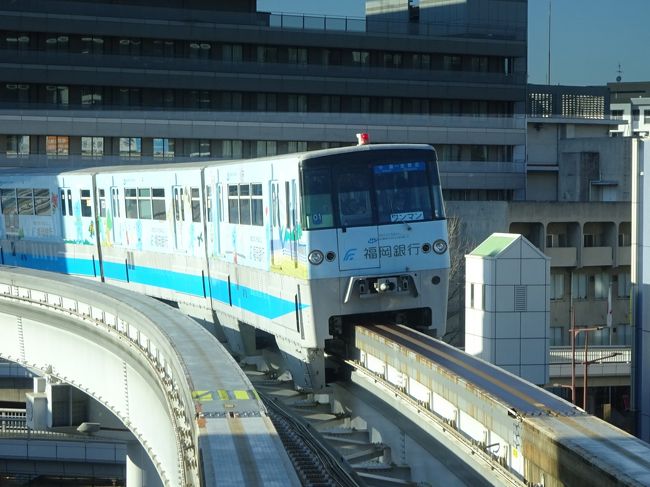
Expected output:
{"points": [[92, 44], [97, 97], [559, 240], [596, 286], [621, 334], [168, 148]]}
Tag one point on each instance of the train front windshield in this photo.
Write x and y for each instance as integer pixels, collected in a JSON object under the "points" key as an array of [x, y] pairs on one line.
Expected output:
{"points": [[374, 193]]}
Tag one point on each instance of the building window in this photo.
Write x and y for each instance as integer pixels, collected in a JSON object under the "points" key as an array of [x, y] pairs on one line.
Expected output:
{"points": [[616, 114], [92, 45], [297, 55], [232, 149], [601, 285], [163, 148], [92, 146], [557, 286], [579, 286], [57, 145], [624, 334], [17, 145], [624, 284], [130, 147], [557, 336], [56, 95], [91, 95], [266, 148], [199, 147]]}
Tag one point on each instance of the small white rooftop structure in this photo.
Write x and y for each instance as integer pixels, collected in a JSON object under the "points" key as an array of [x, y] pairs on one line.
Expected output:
{"points": [[507, 307]]}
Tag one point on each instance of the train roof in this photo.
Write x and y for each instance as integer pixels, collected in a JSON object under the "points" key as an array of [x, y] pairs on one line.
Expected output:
{"points": [[171, 166]]}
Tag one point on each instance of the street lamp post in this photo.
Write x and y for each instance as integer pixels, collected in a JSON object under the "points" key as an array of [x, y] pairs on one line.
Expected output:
{"points": [[586, 363], [574, 333]]}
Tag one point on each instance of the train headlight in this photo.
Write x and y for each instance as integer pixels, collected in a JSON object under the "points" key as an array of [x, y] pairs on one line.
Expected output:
{"points": [[440, 246], [316, 257]]}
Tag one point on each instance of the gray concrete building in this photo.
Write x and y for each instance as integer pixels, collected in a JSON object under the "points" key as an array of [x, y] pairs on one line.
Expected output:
{"points": [[105, 81]]}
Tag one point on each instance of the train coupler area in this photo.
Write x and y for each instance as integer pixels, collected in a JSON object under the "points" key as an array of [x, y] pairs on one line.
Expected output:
{"points": [[376, 286]]}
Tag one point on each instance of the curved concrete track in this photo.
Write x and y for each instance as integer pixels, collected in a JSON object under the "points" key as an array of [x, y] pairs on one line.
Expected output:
{"points": [[164, 376]]}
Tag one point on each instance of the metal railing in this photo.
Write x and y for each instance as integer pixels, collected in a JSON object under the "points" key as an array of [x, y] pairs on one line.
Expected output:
{"points": [[599, 354], [13, 420]]}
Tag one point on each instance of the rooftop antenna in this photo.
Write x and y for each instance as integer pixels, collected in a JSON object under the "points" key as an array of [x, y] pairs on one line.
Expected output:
{"points": [[620, 72]]}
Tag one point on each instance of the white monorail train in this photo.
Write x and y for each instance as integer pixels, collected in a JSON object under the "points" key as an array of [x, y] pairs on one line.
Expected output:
{"points": [[299, 246]]}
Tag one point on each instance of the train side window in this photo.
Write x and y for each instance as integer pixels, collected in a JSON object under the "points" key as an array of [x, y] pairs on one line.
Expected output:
{"points": [[115, 202], [102, 202], [86, 207], [158, 203], [144, 203], [25, 201], [233, 203], [131, 202], [257, 206], [42, 202], [196, 204], [245, 204], [9, 205]]}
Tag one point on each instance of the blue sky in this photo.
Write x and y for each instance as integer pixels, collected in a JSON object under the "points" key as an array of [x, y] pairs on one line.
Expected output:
{"points": [[589, 38]]}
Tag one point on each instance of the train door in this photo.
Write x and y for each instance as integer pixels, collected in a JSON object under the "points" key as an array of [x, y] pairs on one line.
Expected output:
{"points": [[66, 211], [179, 216], [115, 215], [276, 231], [218, 219], [290, 219]]}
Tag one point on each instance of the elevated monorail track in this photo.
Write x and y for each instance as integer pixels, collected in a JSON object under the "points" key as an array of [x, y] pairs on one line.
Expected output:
{"points": [[536, 436]]}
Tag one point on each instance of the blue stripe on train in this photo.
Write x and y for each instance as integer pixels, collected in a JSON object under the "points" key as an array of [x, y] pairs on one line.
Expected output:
{"points": [[242, 297]]}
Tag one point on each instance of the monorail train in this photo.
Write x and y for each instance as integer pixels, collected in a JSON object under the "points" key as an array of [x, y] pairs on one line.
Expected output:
{"points": [[300, 246]]}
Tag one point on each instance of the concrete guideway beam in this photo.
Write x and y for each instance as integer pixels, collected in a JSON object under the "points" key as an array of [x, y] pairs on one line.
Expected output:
{"points": [[108, 346]]}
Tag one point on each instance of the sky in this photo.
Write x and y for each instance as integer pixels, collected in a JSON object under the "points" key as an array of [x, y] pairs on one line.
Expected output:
{"points": [[589, 38]]}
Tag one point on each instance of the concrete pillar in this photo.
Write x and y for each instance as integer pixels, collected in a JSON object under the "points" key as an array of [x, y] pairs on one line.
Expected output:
{"points": [[140, 471]]}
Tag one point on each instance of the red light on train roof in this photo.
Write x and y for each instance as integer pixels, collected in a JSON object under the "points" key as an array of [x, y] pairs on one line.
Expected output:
{"points": [[363, 139]]}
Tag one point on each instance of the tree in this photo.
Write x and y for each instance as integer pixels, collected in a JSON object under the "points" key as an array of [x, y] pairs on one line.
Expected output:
{"points": [[459, 245]]}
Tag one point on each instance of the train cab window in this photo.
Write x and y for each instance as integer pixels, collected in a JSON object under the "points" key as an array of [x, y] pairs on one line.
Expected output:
{"points": [[403, 193], [196, 204], [317, 200], [86, 207], [353, 193]]}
